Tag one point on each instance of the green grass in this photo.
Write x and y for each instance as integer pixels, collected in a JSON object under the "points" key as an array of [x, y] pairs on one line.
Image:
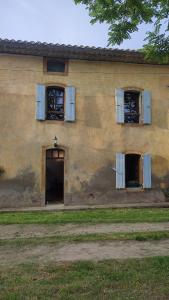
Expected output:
{"points": [[87, 216], [136, 279], [133, 236]]}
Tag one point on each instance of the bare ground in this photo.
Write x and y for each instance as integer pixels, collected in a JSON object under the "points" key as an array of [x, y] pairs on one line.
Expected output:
{"points": [[73, 251], [82, 251], [28, 231]]}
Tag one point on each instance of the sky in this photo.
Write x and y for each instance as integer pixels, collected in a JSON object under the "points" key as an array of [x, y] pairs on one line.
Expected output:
{"points": [[56, 21]]}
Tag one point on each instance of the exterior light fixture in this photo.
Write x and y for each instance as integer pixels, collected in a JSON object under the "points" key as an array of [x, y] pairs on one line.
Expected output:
{"points": [[55, 142]]}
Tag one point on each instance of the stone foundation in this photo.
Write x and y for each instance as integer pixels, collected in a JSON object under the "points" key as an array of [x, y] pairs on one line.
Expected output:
{"points": [[115, 197], [13, 199]]}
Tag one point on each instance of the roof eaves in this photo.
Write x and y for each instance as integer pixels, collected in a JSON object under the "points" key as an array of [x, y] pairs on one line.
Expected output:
{"points": [[71, 52]]}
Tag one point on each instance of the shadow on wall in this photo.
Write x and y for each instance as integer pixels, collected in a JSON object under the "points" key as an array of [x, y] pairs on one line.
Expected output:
{"points": [[161, 183], [101, 190], [2, 171], [160, 167], [20, 191], [104, 179], [25, 179]]}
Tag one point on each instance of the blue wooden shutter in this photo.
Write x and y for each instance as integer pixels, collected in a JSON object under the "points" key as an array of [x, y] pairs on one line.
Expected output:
{"points": [[40, 102], [146, 98], [120, 170], [119, 98], [147, 171], [70, 105]]}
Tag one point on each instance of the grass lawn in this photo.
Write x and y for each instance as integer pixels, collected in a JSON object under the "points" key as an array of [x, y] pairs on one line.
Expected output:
{"points": [[136, 279], [87, 216]]}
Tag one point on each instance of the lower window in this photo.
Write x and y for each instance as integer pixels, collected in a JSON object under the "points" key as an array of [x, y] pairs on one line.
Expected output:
{"points": [[132, 170]]}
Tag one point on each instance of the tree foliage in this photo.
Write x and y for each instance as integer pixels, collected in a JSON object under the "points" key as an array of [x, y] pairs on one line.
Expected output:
{"points": [[124, 18]]}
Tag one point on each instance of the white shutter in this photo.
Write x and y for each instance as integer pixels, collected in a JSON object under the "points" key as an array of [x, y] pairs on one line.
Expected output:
{"points": [[147, 171], [70, 105], [119, 99], [146, 98], [120, 170], [40, 102]]}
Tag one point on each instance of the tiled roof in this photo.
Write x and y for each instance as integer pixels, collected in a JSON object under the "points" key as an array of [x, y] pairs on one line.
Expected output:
{"points": [[70, 52]]}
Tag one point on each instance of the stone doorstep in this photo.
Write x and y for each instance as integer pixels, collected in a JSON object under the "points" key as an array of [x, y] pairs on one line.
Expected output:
{"points": [[62, 207]]}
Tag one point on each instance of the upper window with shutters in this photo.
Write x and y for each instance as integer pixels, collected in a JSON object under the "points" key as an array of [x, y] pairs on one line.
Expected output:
{"points": [[55, 103], [133, 107]]}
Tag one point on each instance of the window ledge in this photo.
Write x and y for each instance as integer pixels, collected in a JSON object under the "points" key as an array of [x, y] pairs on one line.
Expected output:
{"points": [[54, 121], [133, 124], [135, 189], [56, 73]]}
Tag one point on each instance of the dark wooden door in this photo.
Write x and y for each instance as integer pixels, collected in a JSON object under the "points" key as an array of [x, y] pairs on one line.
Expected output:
{"points": [[54, 176]]}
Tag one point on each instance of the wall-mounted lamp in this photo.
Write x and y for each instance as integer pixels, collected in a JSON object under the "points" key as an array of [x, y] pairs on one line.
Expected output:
{"points": [[55, 142]]}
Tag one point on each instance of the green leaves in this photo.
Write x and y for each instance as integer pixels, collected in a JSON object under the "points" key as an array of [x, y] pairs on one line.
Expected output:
{"points": [[124, 17], [157, 47]]}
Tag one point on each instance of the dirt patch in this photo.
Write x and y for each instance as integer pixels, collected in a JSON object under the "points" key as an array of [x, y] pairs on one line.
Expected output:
{"points": [[79, 251], [82, 251], [28, 231]]}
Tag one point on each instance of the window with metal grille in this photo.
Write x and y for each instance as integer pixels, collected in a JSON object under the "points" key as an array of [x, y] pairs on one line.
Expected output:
{"points": [[131, 107], [55, 103]]}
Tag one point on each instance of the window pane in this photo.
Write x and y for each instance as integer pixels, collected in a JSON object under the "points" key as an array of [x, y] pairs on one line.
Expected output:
{"points": [[131, 107], [55, 154], [55, 103], [49, 153], [59, 100], [61, 154], [55, 66]]}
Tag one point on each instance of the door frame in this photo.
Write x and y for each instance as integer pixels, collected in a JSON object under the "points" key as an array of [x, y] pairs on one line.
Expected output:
{"points": [[43, 170], [140, 167]]}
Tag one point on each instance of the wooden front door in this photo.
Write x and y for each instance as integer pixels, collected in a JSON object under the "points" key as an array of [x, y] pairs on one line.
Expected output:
{"points": [[54, 176]]}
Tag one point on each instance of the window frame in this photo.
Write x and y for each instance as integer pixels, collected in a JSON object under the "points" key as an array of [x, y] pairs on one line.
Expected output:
{"points": [[45, 61], [69, 102], [145, 102], [145, 171], [46, 103], [140, 105], [140, 171]]}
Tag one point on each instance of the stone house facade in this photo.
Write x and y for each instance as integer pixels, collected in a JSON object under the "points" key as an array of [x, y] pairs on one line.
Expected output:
{"points": [[81, 126]]}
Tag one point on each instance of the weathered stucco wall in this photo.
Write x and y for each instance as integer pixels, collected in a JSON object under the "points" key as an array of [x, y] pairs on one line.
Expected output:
{"points": [[90, 143]]}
